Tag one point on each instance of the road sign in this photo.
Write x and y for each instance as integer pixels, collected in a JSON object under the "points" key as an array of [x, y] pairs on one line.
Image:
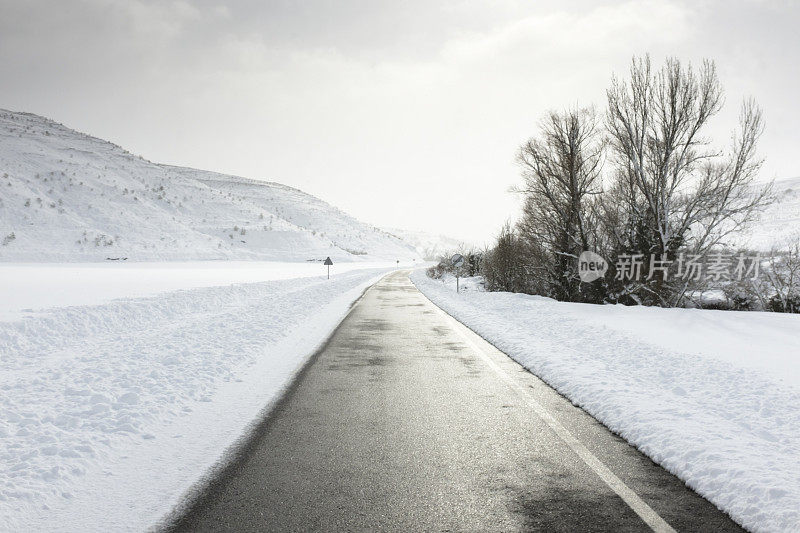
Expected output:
{"points": [[328, 263], [458, 262]]}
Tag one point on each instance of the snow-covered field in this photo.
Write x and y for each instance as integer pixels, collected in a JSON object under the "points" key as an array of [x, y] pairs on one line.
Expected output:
{"points": [[109, 412], [28, 287], [713, 396]]}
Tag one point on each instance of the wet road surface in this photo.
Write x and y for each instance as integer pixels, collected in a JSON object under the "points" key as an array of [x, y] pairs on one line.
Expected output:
{"points": [[407, 421]]}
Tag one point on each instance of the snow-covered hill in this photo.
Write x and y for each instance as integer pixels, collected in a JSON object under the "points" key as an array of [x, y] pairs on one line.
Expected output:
{"points": [[779, 224], [431, 246], [67, 196]]}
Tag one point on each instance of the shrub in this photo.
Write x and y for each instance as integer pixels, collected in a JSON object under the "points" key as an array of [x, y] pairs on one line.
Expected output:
{"points": [[503, 266], [784, 304]]}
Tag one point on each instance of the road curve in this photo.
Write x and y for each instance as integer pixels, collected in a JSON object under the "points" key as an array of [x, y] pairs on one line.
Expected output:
{"points": [[406, 420]]}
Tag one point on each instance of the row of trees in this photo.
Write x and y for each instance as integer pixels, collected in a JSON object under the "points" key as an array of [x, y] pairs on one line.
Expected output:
{"points": [[639, 179]]}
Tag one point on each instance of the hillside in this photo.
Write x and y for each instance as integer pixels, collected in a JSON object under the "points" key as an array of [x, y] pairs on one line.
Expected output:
{"points": [[779, 224], [430, 246], [67, 196]]}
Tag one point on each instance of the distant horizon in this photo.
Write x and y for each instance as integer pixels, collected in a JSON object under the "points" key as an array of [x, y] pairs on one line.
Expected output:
{"points": [[466, 241]]}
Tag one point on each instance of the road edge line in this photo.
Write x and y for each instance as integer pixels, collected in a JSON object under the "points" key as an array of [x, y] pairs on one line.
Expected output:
{"points": [[637, 505]]}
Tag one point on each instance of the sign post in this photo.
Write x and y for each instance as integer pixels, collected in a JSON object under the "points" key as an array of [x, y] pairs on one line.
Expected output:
{"points": [[458, 261], [328, 263]]}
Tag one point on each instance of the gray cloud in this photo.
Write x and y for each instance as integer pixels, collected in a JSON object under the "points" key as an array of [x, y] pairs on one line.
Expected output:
{"points": [[341, 98]]}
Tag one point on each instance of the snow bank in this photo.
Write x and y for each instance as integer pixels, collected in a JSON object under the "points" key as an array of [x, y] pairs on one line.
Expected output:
{"points": [[108, 413], [713, 396]]}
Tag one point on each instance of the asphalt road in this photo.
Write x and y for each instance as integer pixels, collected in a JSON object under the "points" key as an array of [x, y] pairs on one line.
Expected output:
{"points": [[407, 421]]}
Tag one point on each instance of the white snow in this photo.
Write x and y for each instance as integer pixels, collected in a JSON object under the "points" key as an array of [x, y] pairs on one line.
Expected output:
{"points": [[28, 287], [148, 314], [779, 225], [66, 196], [431, 246], [110, 412], [713, 396]]}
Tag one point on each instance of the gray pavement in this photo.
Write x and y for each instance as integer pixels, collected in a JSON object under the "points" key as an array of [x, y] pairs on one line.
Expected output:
{"points": [[407, 421]]}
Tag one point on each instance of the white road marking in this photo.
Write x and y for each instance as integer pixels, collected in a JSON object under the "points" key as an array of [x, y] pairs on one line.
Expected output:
{"points": [[645, 512]]}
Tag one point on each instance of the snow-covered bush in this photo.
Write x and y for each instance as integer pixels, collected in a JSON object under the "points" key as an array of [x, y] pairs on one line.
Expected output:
{"points": [[783, 275], [776, 287], [471, 266]]}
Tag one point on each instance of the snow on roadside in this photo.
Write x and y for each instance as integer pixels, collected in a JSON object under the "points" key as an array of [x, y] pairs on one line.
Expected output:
{"points": [[726, 421], [109, 413], [26, 287]]}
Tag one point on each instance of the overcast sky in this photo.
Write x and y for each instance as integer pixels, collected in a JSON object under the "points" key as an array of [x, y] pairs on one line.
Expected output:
{"points": [[404, 114]]}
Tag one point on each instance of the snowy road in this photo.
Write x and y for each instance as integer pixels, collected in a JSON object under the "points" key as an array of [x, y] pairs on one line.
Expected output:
{"points": [[406, 420]]}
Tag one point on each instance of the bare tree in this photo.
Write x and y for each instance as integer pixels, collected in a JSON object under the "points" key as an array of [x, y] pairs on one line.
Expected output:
{"points": [[670, 190], [561, 172]]}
